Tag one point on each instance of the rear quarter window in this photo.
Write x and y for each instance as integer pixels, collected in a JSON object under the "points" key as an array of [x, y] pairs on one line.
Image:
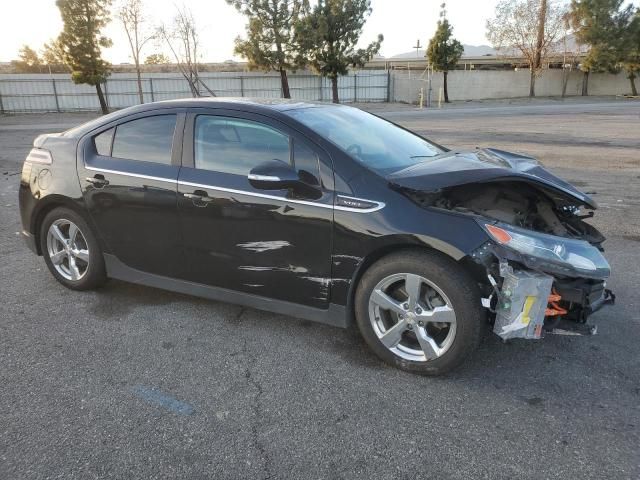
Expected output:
{"points": [[103, 141]]}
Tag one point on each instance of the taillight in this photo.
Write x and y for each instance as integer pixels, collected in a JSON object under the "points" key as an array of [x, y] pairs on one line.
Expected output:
{"points": [[39, 155]]}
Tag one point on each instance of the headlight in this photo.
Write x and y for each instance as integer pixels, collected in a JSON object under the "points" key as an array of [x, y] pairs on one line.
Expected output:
{"points": [[550, 253]]}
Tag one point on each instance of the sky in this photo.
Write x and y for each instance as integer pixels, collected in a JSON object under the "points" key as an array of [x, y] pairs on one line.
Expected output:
{"points": [[402, 22]]}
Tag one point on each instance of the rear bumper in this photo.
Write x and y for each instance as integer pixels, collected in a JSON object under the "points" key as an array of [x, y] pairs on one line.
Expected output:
{"points": [[30, 240]]}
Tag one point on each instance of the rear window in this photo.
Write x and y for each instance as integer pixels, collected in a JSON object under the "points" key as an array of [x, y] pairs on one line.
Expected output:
{"points": [[148, 139]]}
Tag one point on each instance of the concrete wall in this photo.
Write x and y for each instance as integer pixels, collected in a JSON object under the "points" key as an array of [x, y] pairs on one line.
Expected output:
{"points": [[40, 92], [479, 84]]}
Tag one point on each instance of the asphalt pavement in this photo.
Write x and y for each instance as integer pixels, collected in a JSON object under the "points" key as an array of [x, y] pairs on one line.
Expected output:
{"points": [[132, 382]]}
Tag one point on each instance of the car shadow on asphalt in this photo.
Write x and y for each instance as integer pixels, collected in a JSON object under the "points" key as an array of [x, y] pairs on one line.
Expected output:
{"points": [[494, 359]]}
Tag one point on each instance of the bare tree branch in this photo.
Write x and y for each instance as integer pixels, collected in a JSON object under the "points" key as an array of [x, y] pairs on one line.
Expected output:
{"points": [[530, 27], [133, 20], [183, 42]]}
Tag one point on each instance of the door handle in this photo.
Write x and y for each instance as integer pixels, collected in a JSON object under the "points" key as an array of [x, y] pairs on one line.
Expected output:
{"points": [[199, 196], [97, 181]]}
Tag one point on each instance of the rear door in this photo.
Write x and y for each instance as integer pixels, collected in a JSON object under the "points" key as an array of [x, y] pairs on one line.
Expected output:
{"points": [[275, 244], [129, 179]]}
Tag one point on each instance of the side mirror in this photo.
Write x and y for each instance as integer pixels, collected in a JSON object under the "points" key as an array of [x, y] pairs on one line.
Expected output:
{"points": [[274, 175]]}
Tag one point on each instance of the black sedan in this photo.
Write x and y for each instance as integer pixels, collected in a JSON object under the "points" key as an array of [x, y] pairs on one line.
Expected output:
{"points": [[322, 212]]}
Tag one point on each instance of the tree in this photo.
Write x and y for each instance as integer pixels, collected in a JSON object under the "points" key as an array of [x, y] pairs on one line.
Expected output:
{"points": [[603, 26], [183, 42], [631, 54], [53, 56], [537, 59], [133, 21], [28, 62], [82, 42], [269, 45], [443, 51], [530, 27], [570, 55], [326, 38], [156, 59]]}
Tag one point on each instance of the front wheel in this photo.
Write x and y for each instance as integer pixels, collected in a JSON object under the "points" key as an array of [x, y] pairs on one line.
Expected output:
{"points": [[419, 311]]}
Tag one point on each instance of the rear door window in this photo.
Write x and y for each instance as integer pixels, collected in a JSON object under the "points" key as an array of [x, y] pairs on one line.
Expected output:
{"points": [[148, 139]]}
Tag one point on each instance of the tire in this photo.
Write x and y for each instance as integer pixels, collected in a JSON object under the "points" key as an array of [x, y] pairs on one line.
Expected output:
{"points": [[446, 292], [81, 265]]}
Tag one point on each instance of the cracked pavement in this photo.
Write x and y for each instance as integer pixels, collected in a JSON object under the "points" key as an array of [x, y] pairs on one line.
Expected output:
{"points": [[274, 397]]}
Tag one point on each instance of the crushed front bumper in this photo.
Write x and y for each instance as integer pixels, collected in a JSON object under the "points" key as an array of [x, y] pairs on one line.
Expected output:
{"points": [[588, 296], [529, 304]]}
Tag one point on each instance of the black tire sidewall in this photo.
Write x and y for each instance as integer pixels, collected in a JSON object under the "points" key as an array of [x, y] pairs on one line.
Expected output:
{"points": [[456, 284], [95, 275]]}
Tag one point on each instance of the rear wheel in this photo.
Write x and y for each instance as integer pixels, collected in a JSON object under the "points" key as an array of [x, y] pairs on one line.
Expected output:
{"points": [[419, 311], [71, 250]]}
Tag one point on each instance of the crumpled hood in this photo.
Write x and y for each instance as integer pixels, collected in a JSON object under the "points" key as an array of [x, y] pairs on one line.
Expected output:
{"points": [[485, 165]]}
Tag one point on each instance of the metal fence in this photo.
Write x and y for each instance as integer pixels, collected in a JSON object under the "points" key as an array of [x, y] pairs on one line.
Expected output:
{"points": [[58, 93]]}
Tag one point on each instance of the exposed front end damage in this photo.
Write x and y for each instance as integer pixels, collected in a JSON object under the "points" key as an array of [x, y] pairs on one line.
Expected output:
{"points": [[527, 303], [521, 302], [543, 262]]}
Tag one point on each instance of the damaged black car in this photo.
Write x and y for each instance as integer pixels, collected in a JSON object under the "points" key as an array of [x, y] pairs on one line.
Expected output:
{"points": [[322, 212]]}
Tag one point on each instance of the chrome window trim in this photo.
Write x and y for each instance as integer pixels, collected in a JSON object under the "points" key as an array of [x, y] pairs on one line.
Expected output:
{"points": [[130, 174], [378, 205]]}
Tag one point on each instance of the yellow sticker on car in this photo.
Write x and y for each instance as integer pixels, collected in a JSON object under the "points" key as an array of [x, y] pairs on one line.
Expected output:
{"points": [[528, 303]]}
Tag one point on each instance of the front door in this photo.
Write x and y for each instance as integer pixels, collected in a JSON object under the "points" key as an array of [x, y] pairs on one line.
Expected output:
{"points": [[275, 244], [129, 174]]}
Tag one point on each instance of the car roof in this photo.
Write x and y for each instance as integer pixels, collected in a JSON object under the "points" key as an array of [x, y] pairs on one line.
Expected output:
{"points": [[254, 105], [278, 104]]}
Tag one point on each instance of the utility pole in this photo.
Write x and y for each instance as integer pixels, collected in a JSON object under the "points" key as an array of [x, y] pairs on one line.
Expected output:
{"points": [[418, 47], [443, 17]]}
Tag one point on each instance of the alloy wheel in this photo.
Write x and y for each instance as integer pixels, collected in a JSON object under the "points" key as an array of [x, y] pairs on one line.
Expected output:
{"points": [[68, 249], [412, 317]]}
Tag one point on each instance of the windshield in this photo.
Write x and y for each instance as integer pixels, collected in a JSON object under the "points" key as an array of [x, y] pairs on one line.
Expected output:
{"points": [[376, 143]]}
